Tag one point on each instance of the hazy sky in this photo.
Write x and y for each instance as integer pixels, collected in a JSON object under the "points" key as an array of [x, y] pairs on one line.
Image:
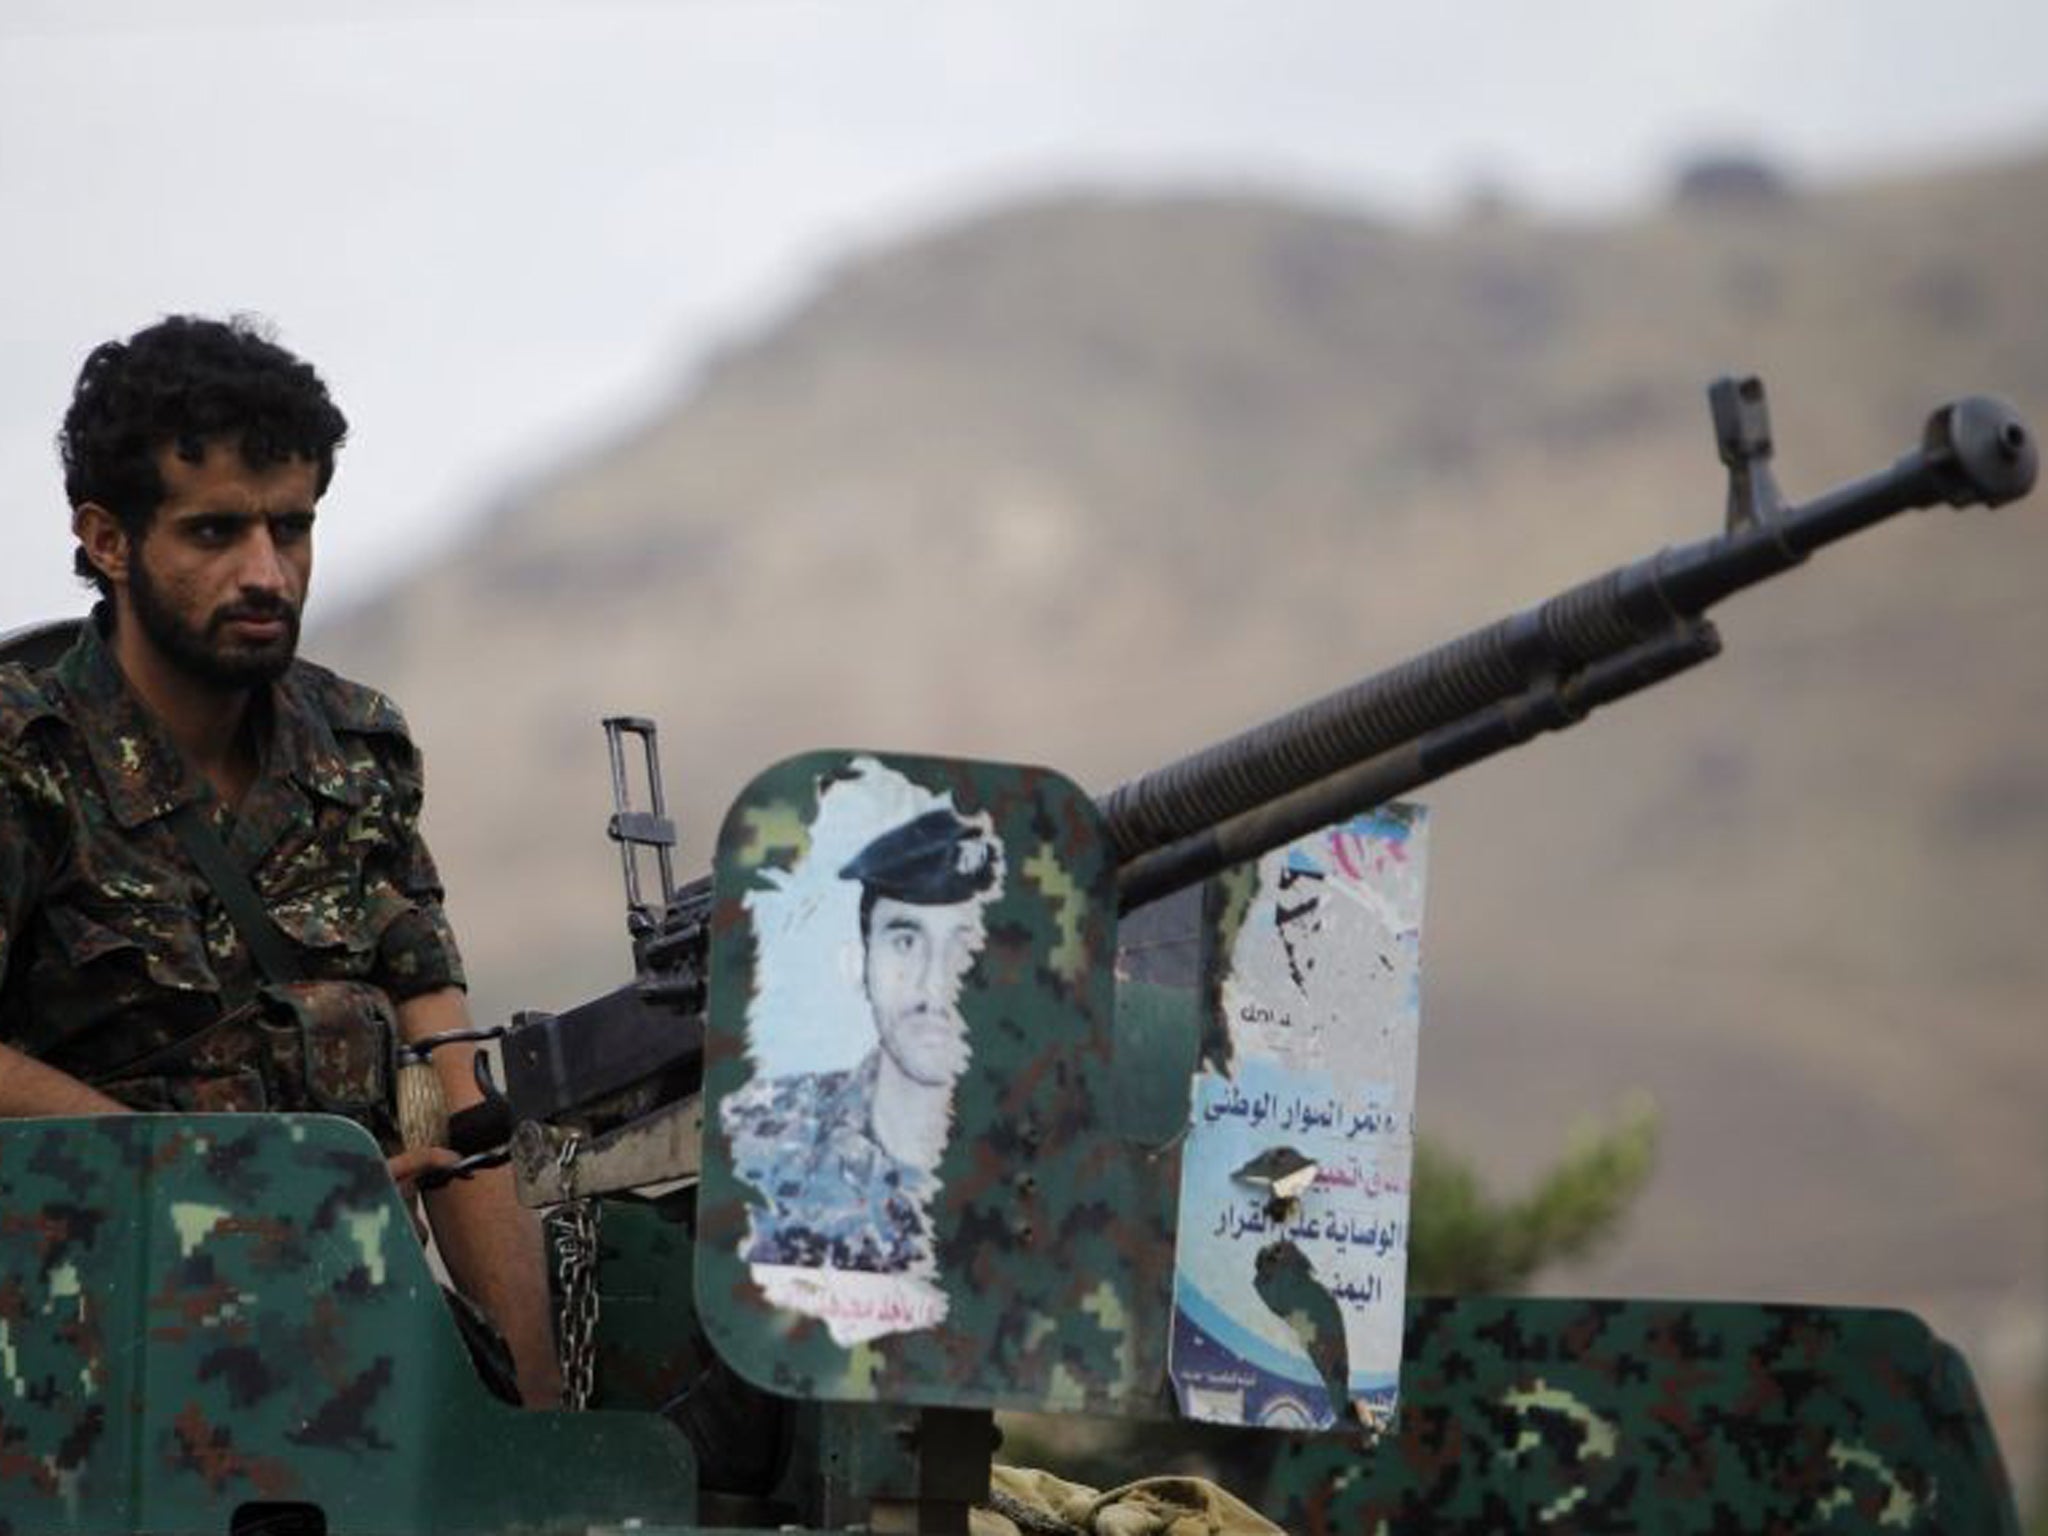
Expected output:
{"points": [[499, 228]]}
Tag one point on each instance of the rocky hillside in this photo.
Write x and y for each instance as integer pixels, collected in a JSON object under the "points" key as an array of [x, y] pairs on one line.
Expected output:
{"points": [[1091, 480]]}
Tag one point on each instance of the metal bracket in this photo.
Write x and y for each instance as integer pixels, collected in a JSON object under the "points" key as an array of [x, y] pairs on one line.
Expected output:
{"points": [[952, 1449], [1742, 431], [659, 1148], [423, 1048], [635, 829]]}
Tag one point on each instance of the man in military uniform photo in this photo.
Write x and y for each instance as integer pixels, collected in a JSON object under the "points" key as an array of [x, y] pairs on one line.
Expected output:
{"points": [[847, 1160], [213, 890]]}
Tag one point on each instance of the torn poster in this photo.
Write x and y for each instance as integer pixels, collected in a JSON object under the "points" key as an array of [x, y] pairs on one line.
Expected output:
{"points": [[1291, 1269]]}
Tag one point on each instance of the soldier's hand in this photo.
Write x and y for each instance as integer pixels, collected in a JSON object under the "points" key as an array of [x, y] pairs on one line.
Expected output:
{"points": [[406, 1169], [408, 1165]]}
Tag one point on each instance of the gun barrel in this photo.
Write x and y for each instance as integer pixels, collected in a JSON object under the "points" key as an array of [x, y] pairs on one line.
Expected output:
{"points": [[1645, 614]]}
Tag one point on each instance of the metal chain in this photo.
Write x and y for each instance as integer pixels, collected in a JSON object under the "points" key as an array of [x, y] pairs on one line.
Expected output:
{"points": [[576, 1267]]}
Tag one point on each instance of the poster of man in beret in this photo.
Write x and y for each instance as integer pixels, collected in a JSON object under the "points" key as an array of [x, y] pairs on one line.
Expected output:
{"points": [[857, 1040]]}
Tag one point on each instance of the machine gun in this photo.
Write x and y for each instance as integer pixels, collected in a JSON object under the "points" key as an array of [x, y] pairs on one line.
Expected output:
{"points": [[623, 1070], [203, 1327], [612, 1095]]}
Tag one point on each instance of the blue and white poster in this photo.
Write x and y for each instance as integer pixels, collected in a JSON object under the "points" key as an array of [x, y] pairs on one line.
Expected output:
{"points": [[1292, 1263]]}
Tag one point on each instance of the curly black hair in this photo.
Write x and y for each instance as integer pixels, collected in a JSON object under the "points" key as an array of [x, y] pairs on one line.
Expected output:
{"points": [[182, 383]]}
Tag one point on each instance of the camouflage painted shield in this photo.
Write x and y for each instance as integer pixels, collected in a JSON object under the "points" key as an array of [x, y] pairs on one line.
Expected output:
{"points": [[206, 1318], [1694, 1418], [918, 1184]]}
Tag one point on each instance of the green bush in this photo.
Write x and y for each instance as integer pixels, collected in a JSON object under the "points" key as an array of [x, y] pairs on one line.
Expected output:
{"points": [[1463, 1240]]}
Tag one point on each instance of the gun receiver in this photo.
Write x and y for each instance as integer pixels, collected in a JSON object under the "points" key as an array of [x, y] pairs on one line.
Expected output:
{"points": [[608, 1062]]}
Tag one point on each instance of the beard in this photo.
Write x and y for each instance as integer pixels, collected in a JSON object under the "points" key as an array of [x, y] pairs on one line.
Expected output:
{"points": [[202, 654], [929, 1046]]}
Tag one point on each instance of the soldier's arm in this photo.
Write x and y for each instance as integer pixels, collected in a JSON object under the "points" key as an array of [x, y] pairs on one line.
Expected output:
{"points": [[492, 1243], [31, 805], [28, 1088]]}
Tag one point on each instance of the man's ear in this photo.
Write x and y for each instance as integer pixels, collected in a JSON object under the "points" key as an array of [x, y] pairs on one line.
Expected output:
{"points": [[103, 539]]}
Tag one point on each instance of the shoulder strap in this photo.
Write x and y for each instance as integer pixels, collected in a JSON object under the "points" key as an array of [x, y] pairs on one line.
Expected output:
{"points": [[202, 844]]}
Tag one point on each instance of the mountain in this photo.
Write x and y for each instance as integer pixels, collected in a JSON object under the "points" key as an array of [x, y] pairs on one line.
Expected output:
{"points": [[1093, 479]]}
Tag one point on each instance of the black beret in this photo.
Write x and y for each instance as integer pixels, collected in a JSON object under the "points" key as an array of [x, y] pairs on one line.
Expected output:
{"points": [[932, 860]]}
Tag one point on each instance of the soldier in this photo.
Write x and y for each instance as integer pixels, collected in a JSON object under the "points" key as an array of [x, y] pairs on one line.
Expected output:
{"points": [[213, 891], [846, 1159]]}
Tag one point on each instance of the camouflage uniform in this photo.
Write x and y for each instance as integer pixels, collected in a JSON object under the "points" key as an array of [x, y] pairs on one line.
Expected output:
{"points": [[835, 1196], [115, 951]]}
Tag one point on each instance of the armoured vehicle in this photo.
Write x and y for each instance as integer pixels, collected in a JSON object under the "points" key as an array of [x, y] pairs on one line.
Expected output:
{"points": [[953, 1090]]}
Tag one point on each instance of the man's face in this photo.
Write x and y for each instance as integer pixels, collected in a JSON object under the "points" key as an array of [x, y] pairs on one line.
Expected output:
{"points": [[218, 578], [916, 959]]}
